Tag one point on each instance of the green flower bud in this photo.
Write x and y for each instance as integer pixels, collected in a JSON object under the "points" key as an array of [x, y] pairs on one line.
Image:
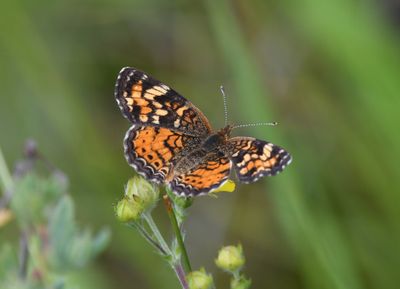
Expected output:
{"points": [[230, 258], [140, 196], [128, 210], [240, 283], [200, 280], [143, 192]]}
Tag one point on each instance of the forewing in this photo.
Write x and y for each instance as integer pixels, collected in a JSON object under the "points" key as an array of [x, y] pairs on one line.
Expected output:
{"points": [[207, 176], [253, 158], [151, 151], [148, 102]]}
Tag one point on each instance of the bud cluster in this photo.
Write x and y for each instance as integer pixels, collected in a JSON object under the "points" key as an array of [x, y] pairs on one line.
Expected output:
{"points": [[140, 197]]}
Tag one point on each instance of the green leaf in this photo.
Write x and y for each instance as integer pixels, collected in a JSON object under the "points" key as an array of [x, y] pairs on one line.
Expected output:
{"points": [[32, 197], [100, 241], [71, 249], [61, 232]]}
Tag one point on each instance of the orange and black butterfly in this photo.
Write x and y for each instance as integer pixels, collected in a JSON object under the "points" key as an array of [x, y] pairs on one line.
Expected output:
{"points": [[171, 141]]}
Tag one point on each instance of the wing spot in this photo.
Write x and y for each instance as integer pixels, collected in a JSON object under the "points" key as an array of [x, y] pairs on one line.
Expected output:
{"points": [[164, 86], [161, 112], [243, 171], [149, 96], [137, 89], [157, 104], [181, 110], [145, 110], [141, 102], [251, 165], [143, 118], [156, 119], [155, 91]]}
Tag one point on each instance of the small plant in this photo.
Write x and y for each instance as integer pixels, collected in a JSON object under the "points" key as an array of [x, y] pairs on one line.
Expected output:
{"points": [[135, 209], [51, 245]]}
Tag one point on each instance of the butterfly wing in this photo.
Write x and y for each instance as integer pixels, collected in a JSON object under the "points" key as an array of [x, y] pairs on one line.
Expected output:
{"points": [[151, 151], [211, 173], [148, 102], [253, 158]]}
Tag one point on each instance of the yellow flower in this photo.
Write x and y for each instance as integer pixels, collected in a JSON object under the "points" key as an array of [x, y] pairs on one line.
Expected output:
{"points": [[229, 186]]}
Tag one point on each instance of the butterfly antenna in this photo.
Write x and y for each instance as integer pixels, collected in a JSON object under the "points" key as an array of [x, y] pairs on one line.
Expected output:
{"points": [[225, 104], [255, 124]]}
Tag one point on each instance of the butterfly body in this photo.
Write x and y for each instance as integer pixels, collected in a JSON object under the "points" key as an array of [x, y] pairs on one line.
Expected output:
{"points": [[171, 141]]}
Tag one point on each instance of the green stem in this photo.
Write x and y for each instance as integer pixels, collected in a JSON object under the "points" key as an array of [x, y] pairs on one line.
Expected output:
{"points": [[236, 274], [147, 236], [178, 233], [5, 176], [180, 273], [157, 234]]}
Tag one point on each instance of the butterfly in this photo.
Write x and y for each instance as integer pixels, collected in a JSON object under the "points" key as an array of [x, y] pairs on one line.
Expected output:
{"points": [[171, 141]]}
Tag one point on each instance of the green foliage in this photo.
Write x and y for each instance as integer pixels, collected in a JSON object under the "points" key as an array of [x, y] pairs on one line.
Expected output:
{"points": [[51, 245], [69, 248], [8, 261], [33, 196]]}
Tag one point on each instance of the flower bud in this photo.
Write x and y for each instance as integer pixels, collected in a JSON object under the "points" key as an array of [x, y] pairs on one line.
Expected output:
{"points": [[240, 283], [200, 280], [230, 258], [128, 210], [140, 196], [142, 191]]}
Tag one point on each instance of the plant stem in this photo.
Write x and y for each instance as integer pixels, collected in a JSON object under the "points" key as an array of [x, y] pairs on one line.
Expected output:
{"points": [[175, 263], [180, 273], [178, 233], [5, 176], [146, 235], [157, 234], [5, 181], [23, 256]]}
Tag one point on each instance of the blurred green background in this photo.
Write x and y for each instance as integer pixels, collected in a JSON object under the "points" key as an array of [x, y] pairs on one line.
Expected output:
{"points": [[327, 71]]}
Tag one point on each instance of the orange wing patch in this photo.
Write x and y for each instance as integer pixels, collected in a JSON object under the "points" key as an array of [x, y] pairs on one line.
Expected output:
{"points": [[205, 177], [150, 150]]}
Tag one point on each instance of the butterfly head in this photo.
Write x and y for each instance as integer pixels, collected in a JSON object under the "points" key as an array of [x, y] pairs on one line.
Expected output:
{"points": [[225, 132]]}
